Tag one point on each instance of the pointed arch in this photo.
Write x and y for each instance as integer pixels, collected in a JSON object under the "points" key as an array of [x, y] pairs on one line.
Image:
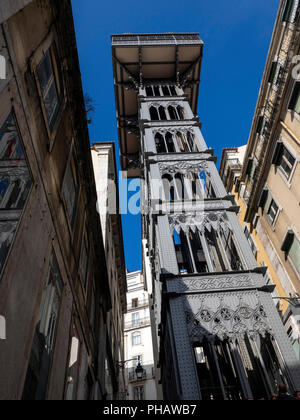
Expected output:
{"points": [[162, 113], [170, 142], [154, 114], [160, 143], [172, 112]]}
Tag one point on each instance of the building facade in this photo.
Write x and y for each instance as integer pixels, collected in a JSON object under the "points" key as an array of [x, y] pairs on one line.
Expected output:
{"points": [[138, 341], [230, 171], [54, 287], [269, 184], [104, 162], [217, 333]]}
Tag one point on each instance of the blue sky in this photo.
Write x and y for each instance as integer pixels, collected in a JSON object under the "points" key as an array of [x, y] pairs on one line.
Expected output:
{"points": [[236, 34]]}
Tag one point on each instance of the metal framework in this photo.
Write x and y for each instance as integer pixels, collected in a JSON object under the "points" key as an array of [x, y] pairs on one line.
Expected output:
{"points": [[218, 333]]}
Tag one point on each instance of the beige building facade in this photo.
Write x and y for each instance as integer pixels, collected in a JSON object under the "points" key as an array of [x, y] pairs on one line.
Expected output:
{"points": [[269, 184]]}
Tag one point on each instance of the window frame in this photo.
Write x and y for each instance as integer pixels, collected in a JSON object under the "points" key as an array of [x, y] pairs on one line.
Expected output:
{"points": [[85, 239], [7, 111], [143, 393], [287, 11], [250, 240], [72, 160], [292, 101], [272, 221], [35, 61], [134, 335], [291, 231]]}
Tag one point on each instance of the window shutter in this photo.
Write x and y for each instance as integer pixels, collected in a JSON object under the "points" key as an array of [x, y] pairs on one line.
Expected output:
{"points": [[287, 11], [294, 102], [277, 154], [237, 184], [261, 125], [288, 241], [274, 73], [263, 199], [249, 167]]}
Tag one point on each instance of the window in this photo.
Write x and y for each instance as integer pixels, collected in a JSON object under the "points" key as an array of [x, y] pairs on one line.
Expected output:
{"points": [[162, 113], [74, 364], [139, 393], [250, 240], [50, 84], [272, 211], [173, 113], [295, 99], [45, 335], [274, 73], [284, 160], [15, 184], [170, 143], [154, 114], [136, 339], [137, 360], [84, 259], [71, 189], [261, 124], [287, 14], [291, 246], [149, 91], [135, 319], [134, 303], [295, 342]]}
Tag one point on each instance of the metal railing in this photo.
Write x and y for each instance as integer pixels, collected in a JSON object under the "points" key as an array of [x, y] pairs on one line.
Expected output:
{"points": [[149, 373], [137, 304], [136, 323], [144, 39]]}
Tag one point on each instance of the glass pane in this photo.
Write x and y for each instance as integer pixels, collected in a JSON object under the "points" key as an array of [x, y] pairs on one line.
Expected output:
{"points": [[7, 231], [45, 73], [51, 102], [15, 183], [45, 334], [294, 254], [70, 192], [10, 144]]}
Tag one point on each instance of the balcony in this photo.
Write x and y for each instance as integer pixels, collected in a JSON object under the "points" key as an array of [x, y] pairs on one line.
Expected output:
{"points": [[149, 373], [137, 304], [137, 323]]}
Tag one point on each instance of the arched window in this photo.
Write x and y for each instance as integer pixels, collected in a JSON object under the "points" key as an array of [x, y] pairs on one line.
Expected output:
{"points": [[180, 187], [173, 91], [181, 112], [149, 91], [162, 113], [4, 185], [160, 143], [168, 185], [165, 90], [170, 143], [191, 142], [172, 113], [195, 185], [156, 91], [182, 252], [182, 143], [154, 114], [136, 338]]}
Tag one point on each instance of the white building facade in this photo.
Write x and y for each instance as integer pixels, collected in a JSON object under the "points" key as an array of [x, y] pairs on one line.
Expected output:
{"points": [[138, 341]]}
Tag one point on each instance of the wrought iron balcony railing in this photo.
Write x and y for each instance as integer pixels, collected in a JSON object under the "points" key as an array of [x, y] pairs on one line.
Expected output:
{"points": [[149, 373], [136, 323], [137, 304]]}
